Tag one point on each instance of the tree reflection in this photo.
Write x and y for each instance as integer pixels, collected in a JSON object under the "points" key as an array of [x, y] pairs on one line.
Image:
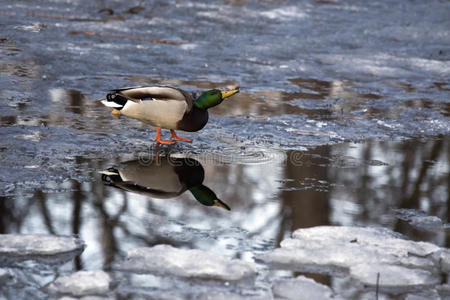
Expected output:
{"points": [[305, 206], [418, 191], [346, 184], [385, 175]]}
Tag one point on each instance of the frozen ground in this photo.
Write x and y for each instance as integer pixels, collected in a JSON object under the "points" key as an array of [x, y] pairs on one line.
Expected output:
{"points": [[342, 120]]}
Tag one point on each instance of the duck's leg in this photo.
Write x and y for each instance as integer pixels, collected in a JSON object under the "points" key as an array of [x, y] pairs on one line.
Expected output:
{"points": [[158, 137], [178, 138]]}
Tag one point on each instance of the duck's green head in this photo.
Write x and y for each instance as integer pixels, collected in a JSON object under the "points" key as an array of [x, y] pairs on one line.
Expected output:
{"points": [[212, 98], [207, 197]]}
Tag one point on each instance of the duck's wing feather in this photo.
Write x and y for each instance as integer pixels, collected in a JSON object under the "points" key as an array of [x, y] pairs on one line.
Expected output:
{"points": [[143, 190], [163, 93]]}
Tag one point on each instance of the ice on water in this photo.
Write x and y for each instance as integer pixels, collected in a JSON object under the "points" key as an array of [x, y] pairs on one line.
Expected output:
{"points": [[301, 288], [4, 275], [420, 220], [362, 253], [193, 263], [393, 276], [427, 295], [31, 245], [376, 47], [81, 283]]}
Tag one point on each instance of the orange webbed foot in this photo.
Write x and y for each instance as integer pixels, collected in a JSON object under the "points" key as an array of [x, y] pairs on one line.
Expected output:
{"points": [[165, 142], [159, 140], [175, 137]]}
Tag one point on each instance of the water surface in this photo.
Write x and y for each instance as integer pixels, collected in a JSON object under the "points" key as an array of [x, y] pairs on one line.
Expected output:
{"points": [[342, 119]]}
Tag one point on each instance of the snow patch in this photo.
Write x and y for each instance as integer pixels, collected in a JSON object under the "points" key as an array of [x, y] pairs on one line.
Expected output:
{"points": [[284, 13], [190, 46]]}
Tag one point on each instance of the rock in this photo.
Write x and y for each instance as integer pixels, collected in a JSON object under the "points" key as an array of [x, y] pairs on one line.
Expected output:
{"points": [[301, 288], [165, 259], [81, 283]]}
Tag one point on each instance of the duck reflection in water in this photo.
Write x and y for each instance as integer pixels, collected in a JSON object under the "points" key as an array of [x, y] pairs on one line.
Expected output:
{"points": [[163, 177]]}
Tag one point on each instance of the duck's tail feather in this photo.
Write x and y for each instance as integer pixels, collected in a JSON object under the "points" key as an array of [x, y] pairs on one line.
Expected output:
{"points": [[111, 104], [108, 172], [110, 176], [115, 100]]}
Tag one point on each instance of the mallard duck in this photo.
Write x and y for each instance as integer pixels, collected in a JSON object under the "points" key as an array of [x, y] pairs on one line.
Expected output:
{"points": [[163, 178], [166, 107]]}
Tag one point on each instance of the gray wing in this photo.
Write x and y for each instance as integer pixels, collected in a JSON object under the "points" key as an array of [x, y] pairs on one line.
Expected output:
{"points": [[158, 93]]}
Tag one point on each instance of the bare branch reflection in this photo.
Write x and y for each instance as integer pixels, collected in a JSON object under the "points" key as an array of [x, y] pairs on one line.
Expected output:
{"points": [[345, 184]]}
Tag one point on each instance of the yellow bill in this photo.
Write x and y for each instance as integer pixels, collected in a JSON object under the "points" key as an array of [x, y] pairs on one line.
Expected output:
{"points": [[226, 94], [219, 203]]}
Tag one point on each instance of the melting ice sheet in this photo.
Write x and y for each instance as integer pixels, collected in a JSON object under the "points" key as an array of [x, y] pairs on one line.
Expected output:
{"points": [[39, 247], [164, 259], [81, 283], [375, 257], [420, 220]]}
